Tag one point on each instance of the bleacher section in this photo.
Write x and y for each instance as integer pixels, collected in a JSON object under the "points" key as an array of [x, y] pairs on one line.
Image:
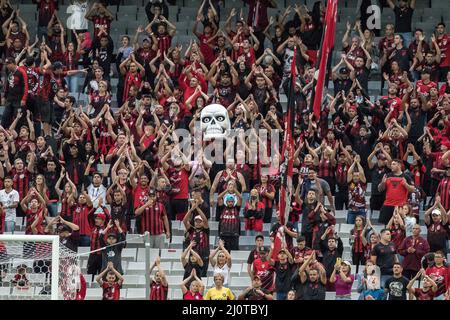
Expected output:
{"points": [[129, 16]]}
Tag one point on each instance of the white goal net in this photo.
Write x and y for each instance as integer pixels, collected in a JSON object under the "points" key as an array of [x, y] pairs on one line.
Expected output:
{"points": [[27, 268]]}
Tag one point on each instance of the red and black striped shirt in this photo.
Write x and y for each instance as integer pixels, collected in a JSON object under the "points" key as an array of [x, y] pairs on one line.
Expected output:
{"points": [[21, 181], [444, 192], [158, 291], [230, 224], [358, 246], [164, 42], [268, 203], [153, 219], [81, 218], [325, 169], [66, 210], [201, 238], [31, 217]]}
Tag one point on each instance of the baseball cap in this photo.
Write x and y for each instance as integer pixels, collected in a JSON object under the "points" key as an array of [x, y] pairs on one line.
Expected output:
{"points": [[57, 65], [346, 262], [263, 250], [198, 218], [230, 197], [63, 228], [100, 216], [436, 212], [344, 70], [282, 251], [112, 235], [152, 193]]}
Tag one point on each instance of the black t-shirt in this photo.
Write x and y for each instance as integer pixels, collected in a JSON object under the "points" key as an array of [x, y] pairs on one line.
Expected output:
{"points": [[385, 257], [377, 174], [403, 57], [252, 256], [313, 291], [342, 84], [418, 122], [396, 288], [403, 19], [362, 74], [253, 295], [284, 274]]}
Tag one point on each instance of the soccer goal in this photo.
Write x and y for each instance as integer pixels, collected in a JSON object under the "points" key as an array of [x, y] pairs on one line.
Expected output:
{"points": [[28, 264]]}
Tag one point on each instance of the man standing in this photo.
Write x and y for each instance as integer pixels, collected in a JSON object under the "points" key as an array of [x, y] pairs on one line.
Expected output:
{"points": [[383, 255], [258, 18], [396, 286], [397, 186], [403, 16], [254, 254], [9, 198], [16, 91], [443, 42], [154, 220], [439, 273], [413, 248]]}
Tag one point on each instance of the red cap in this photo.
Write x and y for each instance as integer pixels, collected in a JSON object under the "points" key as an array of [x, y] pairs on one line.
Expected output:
{"points": [[446, 143], [101, 216]]}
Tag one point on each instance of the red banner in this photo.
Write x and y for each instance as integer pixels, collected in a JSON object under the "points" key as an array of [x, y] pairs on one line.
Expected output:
{"points": [[327, 45]]}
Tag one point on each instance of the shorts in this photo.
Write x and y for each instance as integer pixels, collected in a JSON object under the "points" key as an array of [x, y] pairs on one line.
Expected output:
{"points": [[179, 208], [94, 265], [46, 112], [386, 213], [376, 201], [231, 242]]}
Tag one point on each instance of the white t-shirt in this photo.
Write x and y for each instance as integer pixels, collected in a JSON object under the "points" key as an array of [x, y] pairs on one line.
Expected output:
{"points": [[76, 20], [8, 199], [225, 271]]}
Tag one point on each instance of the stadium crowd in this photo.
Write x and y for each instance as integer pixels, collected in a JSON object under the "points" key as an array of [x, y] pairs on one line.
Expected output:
{"points": [[51, 147]]}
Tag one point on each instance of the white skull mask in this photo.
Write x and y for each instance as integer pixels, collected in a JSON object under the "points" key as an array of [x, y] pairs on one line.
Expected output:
{"points": [[215, 122]]}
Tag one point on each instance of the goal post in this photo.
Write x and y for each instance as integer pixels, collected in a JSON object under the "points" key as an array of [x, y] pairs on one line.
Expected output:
{"points": [[28, 262]]}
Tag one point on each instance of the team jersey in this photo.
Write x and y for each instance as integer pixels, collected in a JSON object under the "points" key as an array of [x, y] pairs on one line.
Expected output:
{"points": [[158, 291], [222, 294], [266, 273], [111, 292]]}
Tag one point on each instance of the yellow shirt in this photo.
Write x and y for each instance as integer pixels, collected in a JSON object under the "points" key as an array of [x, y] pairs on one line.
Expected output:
{"points": [[222, 294]]}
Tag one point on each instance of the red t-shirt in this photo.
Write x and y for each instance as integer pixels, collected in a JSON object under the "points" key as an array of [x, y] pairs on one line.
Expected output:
{"points": [[440, 276], [425, 88], [421, 295], [396, 192], [444, 45], [179, 180], [140, 196], [189, 296], [265, 272], [111, 292], [207, 51]]}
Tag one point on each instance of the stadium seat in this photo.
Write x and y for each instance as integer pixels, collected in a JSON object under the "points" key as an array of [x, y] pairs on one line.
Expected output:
{"points": [[129, 254], [94, 293], [133, 281], [170, 254], [240, 282], [136, 294]]}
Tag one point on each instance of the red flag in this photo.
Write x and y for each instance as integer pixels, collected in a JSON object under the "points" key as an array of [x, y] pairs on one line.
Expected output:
{"points": [[287, 162], [327, 45]]}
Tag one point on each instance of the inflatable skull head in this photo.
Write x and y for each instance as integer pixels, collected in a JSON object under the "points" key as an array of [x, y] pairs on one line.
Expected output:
{"points": [[215, 122]]}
